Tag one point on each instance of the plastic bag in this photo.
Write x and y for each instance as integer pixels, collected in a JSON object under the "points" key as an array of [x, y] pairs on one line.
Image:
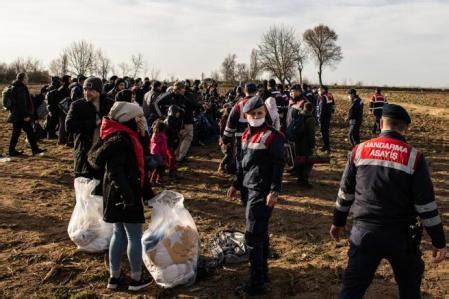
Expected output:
{"points": [[171, 244], [86, 227]]}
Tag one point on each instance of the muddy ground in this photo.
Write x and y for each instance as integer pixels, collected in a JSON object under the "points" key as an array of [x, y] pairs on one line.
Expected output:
{"points": [[37, 259]]}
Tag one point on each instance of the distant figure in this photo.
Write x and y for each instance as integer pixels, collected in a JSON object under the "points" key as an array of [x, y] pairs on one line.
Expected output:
{"points": [[355, 117], [326, 106], [21, 115], [377, 103]]}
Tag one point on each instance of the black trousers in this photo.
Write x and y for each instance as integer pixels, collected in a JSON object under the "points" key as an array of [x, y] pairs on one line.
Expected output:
{"points": [[256, 235], [238, 160], [368, 248], [377, 117], [51, 124], [325, 135], [354, 133], [62, 134], [17, 127]]}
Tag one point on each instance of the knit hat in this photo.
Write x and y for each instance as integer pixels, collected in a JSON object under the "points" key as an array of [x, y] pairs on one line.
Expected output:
{"points": [[94, 83], [124, 111], [124, 96]]}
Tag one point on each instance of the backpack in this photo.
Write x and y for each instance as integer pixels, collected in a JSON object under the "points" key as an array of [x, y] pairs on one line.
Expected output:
{"points": [[7, 97], [295, 129]]}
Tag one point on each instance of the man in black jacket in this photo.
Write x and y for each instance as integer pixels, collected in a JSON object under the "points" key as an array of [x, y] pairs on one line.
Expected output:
{"points": [[261, 170], [326, 106], [21, 116], [386, 185], [83, 121], [355, 117]]}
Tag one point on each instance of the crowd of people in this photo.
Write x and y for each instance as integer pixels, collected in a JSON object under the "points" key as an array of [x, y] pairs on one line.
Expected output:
{"points": [[130, 133]]}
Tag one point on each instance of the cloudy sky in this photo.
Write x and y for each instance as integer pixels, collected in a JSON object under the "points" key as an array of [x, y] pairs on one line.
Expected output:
{"points": [[384, 42]]}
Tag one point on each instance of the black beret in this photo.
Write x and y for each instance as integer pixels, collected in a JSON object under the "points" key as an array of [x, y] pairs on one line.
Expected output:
{"points": [[250, 87], [253, 103], [396, 112]]}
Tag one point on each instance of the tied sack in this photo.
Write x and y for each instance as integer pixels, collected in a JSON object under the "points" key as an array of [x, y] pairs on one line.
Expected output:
{"points": [[171, 244], [86, 227]]}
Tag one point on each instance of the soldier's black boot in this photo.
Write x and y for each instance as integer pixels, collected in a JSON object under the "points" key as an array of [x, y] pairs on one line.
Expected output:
{"points": [[255, 286], [266, 276]]}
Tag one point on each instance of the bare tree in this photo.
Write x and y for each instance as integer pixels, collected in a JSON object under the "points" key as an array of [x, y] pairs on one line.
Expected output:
{"points": [[215, 75], [254, 66], [242, 72], [137, 64], [154, 73], [124, 68], [81, 57], [301, 57], [60, 65], [228, 67], [277, 52], [103, 64], [321, 42]]}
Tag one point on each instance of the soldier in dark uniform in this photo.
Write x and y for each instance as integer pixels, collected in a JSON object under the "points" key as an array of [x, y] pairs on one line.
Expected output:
{"points": [[260, 173], [355, 117], [387, 185], [376, 105]]}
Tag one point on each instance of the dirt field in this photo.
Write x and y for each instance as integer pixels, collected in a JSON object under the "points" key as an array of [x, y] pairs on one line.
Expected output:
{"points": [[37, 259]]}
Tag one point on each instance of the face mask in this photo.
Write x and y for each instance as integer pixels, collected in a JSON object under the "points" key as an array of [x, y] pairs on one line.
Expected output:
{"points": [[256, 122]]}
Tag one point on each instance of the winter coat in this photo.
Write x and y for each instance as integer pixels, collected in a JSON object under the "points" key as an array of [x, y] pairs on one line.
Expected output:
{"points": [[21, 103], [125, 185], [81, 120], [305, 144]]}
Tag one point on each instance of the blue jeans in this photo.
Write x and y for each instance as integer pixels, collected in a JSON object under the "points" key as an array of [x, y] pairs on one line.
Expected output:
{"points": [[120, 234]]}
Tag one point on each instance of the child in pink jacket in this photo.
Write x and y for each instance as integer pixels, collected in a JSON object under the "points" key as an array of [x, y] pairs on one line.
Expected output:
{"points": [[159, 149]]}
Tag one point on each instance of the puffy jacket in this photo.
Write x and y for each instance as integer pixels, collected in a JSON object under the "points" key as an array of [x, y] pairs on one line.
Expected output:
{"points": [[262, 162], [124, 181], [386, 184]]}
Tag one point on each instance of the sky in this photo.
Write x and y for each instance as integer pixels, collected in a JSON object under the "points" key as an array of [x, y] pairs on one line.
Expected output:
{"points": [[384, 42]]}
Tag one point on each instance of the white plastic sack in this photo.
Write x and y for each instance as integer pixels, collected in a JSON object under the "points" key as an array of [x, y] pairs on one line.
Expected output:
{"points": [[171, 243], [86, 227]]}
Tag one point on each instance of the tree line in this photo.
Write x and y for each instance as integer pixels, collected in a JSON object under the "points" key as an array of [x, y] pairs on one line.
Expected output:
{"points": [[283, 55], [280, 53]]}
